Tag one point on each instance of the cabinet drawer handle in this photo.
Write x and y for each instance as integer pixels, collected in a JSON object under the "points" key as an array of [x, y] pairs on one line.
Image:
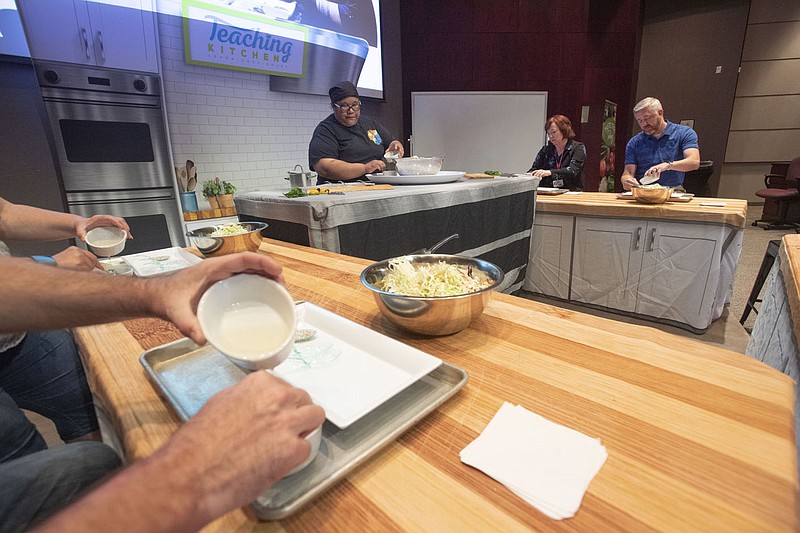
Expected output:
{"points": [[102, 46], [652, 239], [85, 43], [637, 238]]}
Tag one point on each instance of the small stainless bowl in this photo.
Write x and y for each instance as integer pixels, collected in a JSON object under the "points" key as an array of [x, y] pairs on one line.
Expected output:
{"points": [[651, 195], [418, 166], [212, 246], [440, 315]]}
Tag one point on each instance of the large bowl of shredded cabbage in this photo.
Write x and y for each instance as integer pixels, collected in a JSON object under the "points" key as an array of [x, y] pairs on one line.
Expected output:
{"points": [[227, 238], [432, 294]]}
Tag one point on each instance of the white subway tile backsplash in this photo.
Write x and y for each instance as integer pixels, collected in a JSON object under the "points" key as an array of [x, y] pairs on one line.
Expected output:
{"points": [[229, 123]]}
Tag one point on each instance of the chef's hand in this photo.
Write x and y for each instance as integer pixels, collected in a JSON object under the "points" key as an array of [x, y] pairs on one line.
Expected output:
{"points": [[396, 146], [75, 258], [100, 221], [374, 166], [628, 182], [175, 297], [542, 173]]}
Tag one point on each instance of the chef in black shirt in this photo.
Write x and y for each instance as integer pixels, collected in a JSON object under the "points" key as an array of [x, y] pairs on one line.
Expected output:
{"points": [[346, 145]]}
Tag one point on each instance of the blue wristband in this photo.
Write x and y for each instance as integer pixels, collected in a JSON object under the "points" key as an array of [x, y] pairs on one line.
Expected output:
{"points": [[44, 259]]}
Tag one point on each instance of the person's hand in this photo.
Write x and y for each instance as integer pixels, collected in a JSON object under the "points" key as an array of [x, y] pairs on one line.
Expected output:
{"points": [[396, 146], [100, 221], [75, 258], [628, 182], [175, 297], [542, 173], [242, 441], [374, 166], [656, 170]]}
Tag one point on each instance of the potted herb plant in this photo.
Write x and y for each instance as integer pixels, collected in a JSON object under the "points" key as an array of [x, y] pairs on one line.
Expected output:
{"points": [[226, 194], [211, 190]]}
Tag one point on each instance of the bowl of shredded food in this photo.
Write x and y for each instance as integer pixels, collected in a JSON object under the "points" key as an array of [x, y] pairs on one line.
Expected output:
{"points": [[227, 238], [651, 194], [432, 294]]}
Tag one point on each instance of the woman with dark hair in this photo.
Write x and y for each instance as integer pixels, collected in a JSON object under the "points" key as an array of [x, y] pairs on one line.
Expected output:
{"points": [[560, 162]]}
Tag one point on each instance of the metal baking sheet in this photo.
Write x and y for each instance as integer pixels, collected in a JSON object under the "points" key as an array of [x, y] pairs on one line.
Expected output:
{"points": [[188, 375]]}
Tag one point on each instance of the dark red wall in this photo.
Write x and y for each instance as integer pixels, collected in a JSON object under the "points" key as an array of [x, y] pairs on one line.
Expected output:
{"points": [[582, 52]]}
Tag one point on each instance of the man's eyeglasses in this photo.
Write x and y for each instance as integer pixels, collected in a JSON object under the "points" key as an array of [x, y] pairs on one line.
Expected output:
{"points": [[351, 107]]}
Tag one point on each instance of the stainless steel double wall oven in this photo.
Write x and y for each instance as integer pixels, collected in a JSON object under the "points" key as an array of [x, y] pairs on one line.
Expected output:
{"points": [[112, 149]]}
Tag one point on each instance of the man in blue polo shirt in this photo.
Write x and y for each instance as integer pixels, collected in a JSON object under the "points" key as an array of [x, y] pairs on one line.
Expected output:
{"points": [[662, 152]]}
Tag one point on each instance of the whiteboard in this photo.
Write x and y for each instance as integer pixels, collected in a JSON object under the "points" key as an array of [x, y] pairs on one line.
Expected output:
{"points": [[478, 131]]}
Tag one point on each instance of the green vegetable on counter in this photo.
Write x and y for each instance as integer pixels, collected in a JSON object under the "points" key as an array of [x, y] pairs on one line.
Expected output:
{"points": [[493, 172], [295, 192]]}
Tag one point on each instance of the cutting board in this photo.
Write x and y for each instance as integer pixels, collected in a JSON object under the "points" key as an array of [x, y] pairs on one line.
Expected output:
{"points": [[478, 176], [351, 188]]}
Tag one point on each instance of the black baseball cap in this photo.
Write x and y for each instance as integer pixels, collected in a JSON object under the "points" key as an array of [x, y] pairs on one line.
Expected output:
{"points": [[342, 90]]}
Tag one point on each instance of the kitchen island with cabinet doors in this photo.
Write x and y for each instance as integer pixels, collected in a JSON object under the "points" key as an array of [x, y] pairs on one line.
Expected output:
{"points": [[699, 438], [672, 262], [493, 218], [776, 331]]}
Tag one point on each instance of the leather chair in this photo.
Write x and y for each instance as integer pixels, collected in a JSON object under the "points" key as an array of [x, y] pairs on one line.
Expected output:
{"points": [[782, 190]]}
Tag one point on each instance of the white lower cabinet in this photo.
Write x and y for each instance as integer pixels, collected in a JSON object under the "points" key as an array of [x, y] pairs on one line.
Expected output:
{"points": [[665, 270], [550, 256], [680, 272]]}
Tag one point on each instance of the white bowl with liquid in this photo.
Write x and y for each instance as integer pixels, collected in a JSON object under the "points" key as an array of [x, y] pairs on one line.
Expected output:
{"points": [[105, 242], [250, 319]]}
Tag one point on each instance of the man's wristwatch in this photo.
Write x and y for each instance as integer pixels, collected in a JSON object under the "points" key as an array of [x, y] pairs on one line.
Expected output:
{"points": [[670, 166], [44, 260]]}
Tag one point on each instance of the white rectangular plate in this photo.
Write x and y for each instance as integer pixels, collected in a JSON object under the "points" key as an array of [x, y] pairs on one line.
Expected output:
{"points": [[157, 262], [391, 177], [370, 369]]}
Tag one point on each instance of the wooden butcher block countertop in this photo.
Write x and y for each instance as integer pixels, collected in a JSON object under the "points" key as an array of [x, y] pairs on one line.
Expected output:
{"points": [[698, 438], [733, 213]]}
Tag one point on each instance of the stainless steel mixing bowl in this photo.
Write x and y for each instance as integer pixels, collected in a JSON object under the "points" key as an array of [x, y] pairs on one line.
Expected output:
{"points": [[651, 195], [212, 246], [441, 315]]}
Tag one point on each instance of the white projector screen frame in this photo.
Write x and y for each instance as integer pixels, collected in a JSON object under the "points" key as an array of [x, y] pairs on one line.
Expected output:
{"points": [[478, 131]]}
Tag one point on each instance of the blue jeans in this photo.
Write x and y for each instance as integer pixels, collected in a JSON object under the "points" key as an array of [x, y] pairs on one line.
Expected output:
{"points": [[43, 374], [39, 485]]}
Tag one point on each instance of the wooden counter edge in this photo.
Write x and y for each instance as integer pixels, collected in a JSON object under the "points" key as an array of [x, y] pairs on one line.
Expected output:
{"points": [[607, 204]]}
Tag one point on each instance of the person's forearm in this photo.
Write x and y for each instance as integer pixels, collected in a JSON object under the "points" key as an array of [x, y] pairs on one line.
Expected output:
{"points": [[84, 297], [337, 170], [685, 165], [22, 222]]}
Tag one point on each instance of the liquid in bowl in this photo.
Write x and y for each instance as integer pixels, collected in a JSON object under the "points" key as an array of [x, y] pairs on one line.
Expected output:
{"points": [[253, 329]]}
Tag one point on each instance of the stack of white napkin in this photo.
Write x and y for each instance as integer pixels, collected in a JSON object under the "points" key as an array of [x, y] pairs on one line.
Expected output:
{"points": [[547, 465]]}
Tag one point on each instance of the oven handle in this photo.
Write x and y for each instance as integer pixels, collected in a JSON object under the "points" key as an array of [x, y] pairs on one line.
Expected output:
{"points": [[109, 197]]}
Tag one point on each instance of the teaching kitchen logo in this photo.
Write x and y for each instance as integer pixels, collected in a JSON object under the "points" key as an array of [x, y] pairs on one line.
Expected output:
{"points": [[221, 37]]}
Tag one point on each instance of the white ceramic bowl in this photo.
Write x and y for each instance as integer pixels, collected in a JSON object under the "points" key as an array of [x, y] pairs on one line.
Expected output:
{"points": [[250, 319], [105, 242], [314, 438]]}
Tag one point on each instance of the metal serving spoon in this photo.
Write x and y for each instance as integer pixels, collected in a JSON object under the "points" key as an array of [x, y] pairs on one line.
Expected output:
{"points": [[436, 246]]}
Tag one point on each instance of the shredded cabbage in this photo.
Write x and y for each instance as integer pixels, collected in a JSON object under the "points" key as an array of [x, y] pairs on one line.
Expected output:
{"points": [[231, 228], [434, 279]]}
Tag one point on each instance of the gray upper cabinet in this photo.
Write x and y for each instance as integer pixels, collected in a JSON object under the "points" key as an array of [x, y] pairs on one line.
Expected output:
{"points": [[92, 33]]}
